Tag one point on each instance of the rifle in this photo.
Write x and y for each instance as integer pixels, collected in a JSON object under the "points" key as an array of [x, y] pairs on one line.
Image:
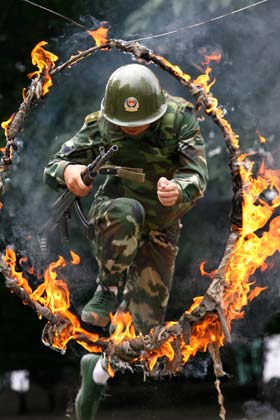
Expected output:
{"points": [[60, 211]]}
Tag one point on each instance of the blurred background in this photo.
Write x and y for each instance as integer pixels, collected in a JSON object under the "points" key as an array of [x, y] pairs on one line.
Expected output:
{"points": [[39, 383]]}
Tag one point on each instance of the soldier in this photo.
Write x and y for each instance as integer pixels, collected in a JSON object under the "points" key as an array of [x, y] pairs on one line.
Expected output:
{"points": [[137, 226]]}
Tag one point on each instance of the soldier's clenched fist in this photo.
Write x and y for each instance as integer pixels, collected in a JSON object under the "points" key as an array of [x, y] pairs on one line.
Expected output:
{"points": [[167, 191]]}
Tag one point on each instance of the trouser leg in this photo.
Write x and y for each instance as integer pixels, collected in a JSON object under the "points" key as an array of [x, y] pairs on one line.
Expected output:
{"points": [[118, 227], [150, 278]]}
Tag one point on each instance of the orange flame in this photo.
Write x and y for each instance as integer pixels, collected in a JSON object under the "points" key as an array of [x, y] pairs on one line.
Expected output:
{"points": [[110, 370], [6, 124], [176, 69], [45, 61], [262, 139], [53, 293], [24, 90], [165, 350], [100, 35], [250, 254], [124, 328], [234, 138], [255, 292], [205, 332], [252, 249], [75, 258], [214, 56], [204, 80], [196, 301], [203, 272]]}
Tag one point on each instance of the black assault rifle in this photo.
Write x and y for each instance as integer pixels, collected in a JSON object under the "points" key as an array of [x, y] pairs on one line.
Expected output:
{"points": [[60, 210]]}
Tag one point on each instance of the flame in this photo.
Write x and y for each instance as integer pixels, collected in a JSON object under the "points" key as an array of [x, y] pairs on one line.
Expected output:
{"points": [[196, 301], [204, 80], [234, 138], [11, 259], [45, 61], [207, 331], [123, 325], [53, 293], [75, 258], [255, 292], [205, 273], [176, 69], [110, 370], [6, 124], [100, 35], [253, 247], [165, 350], [250, 253], [214, 56], [262, 139]]}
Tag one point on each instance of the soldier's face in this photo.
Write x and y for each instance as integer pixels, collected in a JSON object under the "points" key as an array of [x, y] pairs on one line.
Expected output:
{"points": [[134, 131]]}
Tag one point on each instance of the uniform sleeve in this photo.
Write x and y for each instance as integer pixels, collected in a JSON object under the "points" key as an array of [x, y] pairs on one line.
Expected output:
{"points": [[78, 150], [192, 173]]}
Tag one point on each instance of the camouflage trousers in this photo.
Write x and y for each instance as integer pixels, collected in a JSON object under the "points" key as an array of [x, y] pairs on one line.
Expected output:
{"points": [[145, 261]]}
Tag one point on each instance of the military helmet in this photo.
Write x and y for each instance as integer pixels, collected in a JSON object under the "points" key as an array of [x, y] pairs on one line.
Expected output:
{"points": [[133, 97]]}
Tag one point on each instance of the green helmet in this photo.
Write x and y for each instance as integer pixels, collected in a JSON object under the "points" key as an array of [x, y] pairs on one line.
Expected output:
{"points": [[133, 97]]}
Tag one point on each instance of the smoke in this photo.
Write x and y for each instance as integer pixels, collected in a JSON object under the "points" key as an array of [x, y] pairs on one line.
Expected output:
{"points": [[256, 410], [247, 86]]}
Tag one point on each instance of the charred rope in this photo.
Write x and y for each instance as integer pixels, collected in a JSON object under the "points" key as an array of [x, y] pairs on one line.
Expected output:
{"points": [[203, 101], [212, 301]]}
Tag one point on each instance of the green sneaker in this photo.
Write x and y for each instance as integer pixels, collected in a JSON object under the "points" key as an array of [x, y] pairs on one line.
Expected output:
{"points": [[90, 393], [97, 310]]}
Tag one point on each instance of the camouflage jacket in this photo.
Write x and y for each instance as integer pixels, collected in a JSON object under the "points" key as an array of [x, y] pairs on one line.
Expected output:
{"points": [[172, 147]]}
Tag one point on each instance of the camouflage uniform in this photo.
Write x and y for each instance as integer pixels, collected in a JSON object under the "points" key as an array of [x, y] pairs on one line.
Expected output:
{"points": [[135, 235]]}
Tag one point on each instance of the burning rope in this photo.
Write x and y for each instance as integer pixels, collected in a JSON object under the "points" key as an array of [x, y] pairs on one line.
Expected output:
{"points": [[213, 296], [203, 100], [174, 340]]}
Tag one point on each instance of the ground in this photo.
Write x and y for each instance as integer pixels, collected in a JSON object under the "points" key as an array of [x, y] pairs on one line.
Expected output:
{"points": [[142, 401]]}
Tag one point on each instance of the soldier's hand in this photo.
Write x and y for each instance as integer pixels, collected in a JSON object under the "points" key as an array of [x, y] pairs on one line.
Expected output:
{"points": [[73, 180], [167, 191]]}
